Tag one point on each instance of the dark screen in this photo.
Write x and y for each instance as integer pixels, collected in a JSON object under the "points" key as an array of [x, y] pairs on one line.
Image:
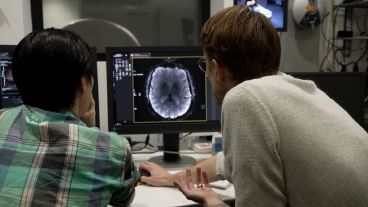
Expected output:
{"points": [[347, 89]]}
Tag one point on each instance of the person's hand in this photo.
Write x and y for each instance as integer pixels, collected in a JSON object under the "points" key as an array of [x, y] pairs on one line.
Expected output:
{"points": [[201, 193], [89, 117], [158, 175]]}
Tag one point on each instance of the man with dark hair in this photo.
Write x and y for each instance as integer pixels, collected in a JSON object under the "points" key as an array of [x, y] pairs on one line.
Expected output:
{"points": [[50, 152], [286, 143]]}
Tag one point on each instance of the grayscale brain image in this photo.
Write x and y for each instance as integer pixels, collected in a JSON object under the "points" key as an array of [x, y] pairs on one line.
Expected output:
{"points": [[168, 89]]}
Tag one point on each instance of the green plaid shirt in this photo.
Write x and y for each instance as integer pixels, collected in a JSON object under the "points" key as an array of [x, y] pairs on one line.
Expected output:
{"points": [[53, 159]]}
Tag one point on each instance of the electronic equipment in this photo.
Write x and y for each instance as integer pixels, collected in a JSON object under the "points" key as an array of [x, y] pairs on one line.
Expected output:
{"points": [[160, 90], [9, 95], [308, 13], [275, 10], [346, 89]]}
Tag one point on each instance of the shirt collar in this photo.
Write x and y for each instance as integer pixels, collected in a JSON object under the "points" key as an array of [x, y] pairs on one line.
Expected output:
{"points": [[39, 115]]}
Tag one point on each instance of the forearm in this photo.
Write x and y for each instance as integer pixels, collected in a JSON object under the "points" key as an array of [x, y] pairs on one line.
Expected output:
{"points": [[160, 177], [214, 202]]}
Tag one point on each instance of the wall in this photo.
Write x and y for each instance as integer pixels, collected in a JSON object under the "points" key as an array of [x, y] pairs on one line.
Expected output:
{"points": [[299, 47], [15, 20]]}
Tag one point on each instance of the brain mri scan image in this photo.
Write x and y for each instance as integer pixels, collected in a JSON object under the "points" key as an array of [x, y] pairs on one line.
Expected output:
{"points": [[170, 90]]}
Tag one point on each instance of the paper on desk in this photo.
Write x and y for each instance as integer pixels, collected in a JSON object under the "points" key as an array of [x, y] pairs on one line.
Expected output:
{"points": [[221, 184], [146, 196], [159, 196]]}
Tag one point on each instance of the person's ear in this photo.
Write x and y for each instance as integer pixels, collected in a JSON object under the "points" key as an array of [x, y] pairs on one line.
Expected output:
{"points": [[82, 87], [84, 83], [218, 71]]}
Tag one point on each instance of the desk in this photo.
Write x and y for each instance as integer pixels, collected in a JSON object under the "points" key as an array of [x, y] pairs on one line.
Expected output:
{"points": [[146, 196]]}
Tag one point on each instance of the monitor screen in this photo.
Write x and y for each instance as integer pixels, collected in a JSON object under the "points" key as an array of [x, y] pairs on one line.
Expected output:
{"points": [[274, 10], [346, 89], [159, 90], [9, 95]]}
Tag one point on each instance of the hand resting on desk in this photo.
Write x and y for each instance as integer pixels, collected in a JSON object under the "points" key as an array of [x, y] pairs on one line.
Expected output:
{"points": [[144, 173], [158, 175], [202, 192], [155, 175], [161, 177]]}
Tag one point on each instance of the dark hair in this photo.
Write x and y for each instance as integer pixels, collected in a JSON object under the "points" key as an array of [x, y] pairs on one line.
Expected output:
{"points": [[48, 66], [244, 41]]}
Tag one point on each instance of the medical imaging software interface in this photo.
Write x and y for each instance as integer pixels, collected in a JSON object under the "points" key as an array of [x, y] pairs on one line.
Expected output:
{"points": [[157, 88], [9, 95]]}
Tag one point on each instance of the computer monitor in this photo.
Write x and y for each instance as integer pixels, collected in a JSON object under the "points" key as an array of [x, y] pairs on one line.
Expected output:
{"points": [[159, 90], [274, 10], [347, 89], [9, 95]]}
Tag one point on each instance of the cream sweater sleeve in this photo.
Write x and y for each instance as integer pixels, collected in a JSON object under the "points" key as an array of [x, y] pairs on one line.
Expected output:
{"points": [[251, 143], [220, 165]]}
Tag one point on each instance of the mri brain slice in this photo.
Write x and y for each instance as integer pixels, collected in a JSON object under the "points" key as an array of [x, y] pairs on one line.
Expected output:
{"points": [[170, 91]]}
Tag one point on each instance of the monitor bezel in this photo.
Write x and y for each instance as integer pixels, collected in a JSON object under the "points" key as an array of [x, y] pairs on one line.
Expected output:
{"points": [[147, 128], [285, 9], [9, 48], [95, 85], [37, 11]]}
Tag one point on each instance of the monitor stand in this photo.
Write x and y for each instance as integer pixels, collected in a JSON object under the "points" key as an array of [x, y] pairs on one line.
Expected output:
{"points": [[171, 159]]}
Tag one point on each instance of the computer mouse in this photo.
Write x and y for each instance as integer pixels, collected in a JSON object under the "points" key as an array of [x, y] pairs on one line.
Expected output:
{"points": [[144, 173]]}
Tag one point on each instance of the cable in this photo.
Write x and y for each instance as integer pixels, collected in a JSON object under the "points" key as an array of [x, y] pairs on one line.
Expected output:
{"points": [[147, 140], [186, 135], [351, 62], [361, 57], [177, 153], [138, 146], [331, 43], [356, 67], [341, 61]]}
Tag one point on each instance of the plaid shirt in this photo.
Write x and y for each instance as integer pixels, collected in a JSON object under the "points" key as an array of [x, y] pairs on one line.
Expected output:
{"points": [[53, 159]]}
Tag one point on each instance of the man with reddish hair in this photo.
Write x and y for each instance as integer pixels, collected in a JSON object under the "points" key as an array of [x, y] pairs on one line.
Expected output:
{"points": [[286, 143]]}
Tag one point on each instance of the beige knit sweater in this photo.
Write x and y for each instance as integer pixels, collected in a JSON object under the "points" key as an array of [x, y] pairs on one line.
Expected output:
{"points": [[286, 143]]}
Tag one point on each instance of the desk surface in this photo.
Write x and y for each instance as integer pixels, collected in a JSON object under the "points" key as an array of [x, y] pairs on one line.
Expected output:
{"points": [[165, 196]]}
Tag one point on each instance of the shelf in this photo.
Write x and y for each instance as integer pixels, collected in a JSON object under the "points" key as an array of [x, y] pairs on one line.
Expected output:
{"points": [[352, 38], [356, 4]]}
